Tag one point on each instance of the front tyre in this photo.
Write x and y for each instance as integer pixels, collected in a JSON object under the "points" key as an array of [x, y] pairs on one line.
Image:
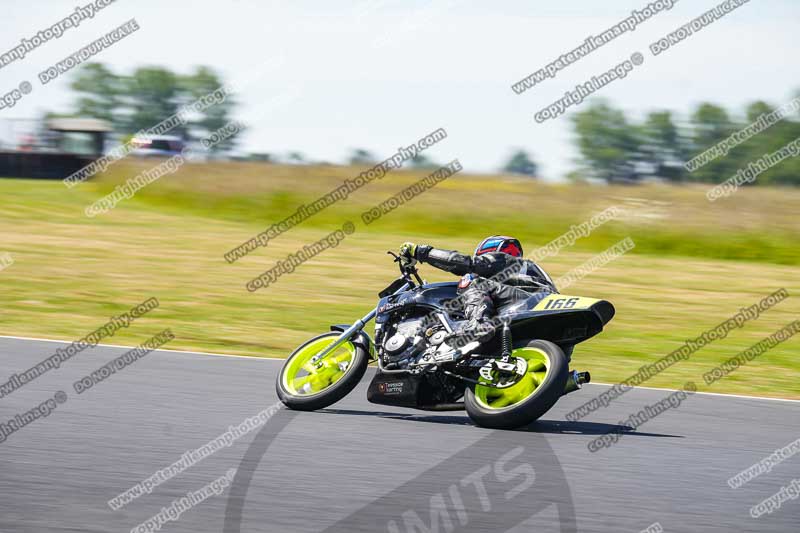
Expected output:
{"points": [[531, 397], [305, 386]]}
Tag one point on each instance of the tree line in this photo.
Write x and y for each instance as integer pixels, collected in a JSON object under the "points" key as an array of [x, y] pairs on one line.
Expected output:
{"points": [[142, 99], [615, 148], [612, 146]]}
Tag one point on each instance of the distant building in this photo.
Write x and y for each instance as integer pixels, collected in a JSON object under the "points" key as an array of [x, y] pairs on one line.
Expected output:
{"points": [[52, 149]]}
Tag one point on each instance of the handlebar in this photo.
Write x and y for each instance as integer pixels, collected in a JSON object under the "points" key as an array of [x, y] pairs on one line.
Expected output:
{"points": [[407, 270]]}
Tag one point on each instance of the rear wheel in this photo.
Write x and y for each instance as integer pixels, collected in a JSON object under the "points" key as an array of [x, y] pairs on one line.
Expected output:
{"points": [[306, 386], [530, 397]]}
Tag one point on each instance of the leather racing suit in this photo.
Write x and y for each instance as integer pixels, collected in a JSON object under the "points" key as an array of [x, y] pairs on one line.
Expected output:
{"points": [[489, 281]]}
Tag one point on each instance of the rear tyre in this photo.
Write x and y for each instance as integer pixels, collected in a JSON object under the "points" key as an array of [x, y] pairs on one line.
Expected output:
{"points": [[304, 386], [528, 399]]}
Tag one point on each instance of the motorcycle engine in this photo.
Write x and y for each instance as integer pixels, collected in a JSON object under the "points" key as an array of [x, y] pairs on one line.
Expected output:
{"points": [[404, 342]]}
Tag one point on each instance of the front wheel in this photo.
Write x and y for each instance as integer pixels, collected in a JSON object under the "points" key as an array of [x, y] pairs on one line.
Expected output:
{"points": [[530, 397], [307, 386]]}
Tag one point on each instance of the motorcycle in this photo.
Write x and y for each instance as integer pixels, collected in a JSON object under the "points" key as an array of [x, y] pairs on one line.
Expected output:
{"points": [[425, 362]]}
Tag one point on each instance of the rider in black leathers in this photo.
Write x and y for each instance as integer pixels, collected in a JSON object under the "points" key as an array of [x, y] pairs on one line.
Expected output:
{"points": [[495, 276]]}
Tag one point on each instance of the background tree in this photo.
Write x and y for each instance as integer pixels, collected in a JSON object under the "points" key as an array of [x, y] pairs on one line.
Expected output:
{"points": [[787, 172], [361, 157], [710, 124], [662, 146], [262, 157], [296, 158], [150, 95], [200, 83], [608, 144], [100, 93], [422, 161], [613, 148], [521, 163], [756, 109]]}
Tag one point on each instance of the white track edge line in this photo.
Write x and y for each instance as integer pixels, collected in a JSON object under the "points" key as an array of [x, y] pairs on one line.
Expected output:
{"points": [[282, 359], [703, 392], [157, 350]]}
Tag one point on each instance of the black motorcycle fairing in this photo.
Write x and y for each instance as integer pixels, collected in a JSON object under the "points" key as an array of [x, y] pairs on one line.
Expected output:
{"points": [[433, 296], [401, 390], [393, 287], [563, 327], [437, 294], [427, 391]]}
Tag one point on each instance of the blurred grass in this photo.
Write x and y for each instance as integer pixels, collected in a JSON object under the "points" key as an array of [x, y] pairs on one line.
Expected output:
{"points": [[755, 224], [695, 263]]}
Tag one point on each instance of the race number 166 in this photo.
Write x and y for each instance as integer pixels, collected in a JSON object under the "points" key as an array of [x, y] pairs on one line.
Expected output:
{"points": [[561, 303]]}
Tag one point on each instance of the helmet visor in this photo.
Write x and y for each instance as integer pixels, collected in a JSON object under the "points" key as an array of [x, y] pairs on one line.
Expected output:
{"points": [[507, 245], [489, 245]]}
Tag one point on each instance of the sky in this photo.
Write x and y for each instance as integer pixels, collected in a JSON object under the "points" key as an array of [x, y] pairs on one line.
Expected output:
{"points": [[324, 78]]}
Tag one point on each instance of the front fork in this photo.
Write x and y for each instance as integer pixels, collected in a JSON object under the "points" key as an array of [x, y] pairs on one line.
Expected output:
{"points": [[356, 327], [345, 336]]}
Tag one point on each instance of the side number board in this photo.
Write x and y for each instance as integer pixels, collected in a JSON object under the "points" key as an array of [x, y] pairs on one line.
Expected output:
{"points": [[558, 302]]}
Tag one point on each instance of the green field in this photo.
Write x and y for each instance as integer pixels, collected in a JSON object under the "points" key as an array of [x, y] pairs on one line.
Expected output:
{"points": [[695, 263]]}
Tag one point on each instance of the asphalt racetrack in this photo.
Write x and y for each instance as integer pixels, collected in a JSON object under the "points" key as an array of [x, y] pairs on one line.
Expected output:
{"points": [[363, 467]]}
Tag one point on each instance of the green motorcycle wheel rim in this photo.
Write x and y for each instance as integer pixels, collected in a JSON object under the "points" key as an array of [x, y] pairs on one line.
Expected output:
{"points": [[301, 377], [538, 368]]}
